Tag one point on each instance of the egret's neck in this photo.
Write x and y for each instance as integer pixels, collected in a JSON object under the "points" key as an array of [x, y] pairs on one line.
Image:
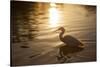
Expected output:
{"points": [[61, 35]]}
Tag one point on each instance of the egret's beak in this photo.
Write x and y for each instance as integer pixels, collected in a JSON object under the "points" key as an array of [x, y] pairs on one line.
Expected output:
{"points": [[57, 31]]}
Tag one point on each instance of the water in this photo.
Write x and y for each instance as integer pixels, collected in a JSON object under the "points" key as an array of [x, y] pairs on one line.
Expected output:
{"points": [[38, 22]]}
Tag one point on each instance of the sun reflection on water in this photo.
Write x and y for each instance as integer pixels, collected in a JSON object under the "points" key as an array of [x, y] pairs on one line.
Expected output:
{"points": [[53, 15]]}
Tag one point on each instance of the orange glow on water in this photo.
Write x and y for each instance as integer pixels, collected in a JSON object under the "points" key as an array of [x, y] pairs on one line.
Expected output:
{"points": [[53, 15]]}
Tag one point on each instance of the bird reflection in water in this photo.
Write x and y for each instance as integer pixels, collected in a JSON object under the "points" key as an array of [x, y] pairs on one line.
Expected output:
{"points": [[72, 45]]}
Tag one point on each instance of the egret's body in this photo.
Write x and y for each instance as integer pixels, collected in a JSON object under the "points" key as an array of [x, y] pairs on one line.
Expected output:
{"points": [[69, 40]]}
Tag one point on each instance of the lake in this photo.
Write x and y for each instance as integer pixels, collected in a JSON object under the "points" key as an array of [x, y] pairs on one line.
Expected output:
{"points": [[35, 24]]}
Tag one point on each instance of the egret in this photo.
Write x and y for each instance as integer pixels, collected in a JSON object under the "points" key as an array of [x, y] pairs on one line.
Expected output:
{"points": [[72, 45]]}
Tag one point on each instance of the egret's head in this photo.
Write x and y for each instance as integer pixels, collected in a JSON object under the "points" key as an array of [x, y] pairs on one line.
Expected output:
{"points": [[62, 29]]}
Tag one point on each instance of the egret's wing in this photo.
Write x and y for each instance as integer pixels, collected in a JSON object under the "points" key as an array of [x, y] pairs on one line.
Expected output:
{"points": [[72, 41]]}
